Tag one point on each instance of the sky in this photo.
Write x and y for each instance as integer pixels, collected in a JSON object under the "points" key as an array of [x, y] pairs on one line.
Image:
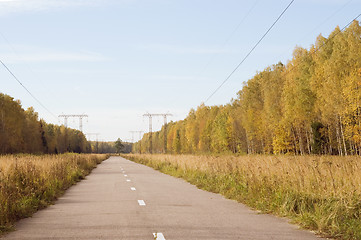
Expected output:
{"points": [[115, 60]]}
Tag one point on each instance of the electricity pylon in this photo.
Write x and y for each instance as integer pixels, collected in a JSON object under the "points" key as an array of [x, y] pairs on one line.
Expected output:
{"points": [[96, 143], [80, 116], [164, 115], [140, 139]]}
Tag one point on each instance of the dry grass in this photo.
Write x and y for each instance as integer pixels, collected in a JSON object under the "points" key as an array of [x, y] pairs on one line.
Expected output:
{"points": [[322, 193], [28, 182]]}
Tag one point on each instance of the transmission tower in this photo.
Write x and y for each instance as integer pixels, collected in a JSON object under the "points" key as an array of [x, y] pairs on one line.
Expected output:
{"points": [[164, 115], [140, 139], [80, 116], [96, 143]]}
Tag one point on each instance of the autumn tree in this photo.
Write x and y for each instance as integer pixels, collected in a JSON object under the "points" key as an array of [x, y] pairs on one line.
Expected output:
{"points": [[309, 105]]}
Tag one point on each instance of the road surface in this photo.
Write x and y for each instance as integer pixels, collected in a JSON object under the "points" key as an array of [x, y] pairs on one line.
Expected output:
{"points": [[124, 200]]}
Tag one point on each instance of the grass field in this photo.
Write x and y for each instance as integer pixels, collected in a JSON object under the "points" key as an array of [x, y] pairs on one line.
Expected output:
{"points": [[29, 183], [322, 193]]}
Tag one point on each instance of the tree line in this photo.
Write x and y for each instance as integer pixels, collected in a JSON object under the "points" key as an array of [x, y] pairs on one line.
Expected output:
{"points": [[311, 105], [111, 147], [21, 131]]}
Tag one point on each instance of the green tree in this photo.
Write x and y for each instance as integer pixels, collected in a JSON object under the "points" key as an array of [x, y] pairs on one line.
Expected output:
{"points": [[118, 145]]}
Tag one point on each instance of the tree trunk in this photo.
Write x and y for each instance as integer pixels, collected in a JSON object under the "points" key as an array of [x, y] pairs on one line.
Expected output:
{"points": [[329, 140], [339, 144], [308, 142], [343, 136], [294, 140], [300, 140], [248, 144]]}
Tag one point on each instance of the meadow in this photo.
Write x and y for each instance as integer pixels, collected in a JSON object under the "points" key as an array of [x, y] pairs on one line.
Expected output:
{"points": [[29, 182], [321, 193]]}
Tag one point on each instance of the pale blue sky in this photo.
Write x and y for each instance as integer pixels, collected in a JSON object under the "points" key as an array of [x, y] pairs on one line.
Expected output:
{"points": [[118, 59]]}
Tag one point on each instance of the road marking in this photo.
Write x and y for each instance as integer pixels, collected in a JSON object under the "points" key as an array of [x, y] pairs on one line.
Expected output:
{"points": [[132, 188], [125, 175], [128, 180], [158, 236], [141, 203]]}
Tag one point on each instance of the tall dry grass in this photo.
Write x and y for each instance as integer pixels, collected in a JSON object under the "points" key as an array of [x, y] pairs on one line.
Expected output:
{"points": [[28, 182], [322, 193]]}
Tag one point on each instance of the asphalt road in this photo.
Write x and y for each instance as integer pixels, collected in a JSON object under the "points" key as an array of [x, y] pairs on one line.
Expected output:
{"points": [[124, 200]]}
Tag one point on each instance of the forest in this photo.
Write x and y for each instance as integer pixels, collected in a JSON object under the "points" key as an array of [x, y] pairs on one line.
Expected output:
{"points": [[311, 105], [22, 132]]}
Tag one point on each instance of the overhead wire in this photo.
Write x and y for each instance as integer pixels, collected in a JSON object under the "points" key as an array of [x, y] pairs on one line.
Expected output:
{"points": [[328, 40], [26, 89], [22, 58], [230, 36], [42, 84], [249, 53], [323, 22], [337, 33]]}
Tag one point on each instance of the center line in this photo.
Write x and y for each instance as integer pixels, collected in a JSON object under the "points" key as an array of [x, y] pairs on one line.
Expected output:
{"points": [[141, 203], [132, 188], [125, 175], [159, 236], [128, 180]]}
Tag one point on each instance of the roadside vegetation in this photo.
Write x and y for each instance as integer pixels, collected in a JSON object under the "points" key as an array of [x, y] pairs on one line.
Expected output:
{"points": [[321, 193], [39, 160], [29, 182], [303, 116]]}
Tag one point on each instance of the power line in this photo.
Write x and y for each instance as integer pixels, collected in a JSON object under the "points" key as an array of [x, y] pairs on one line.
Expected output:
{"points": [[336, 33], [323, 22], [22, 58], [230, 36], [27, 89], [249, 53], [327, 41]]}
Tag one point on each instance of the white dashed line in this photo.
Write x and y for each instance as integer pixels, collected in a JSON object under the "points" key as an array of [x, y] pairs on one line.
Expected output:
{"points": [[132, 188], [128, 180], [141, 203], [125, 175], [158, 236]]}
